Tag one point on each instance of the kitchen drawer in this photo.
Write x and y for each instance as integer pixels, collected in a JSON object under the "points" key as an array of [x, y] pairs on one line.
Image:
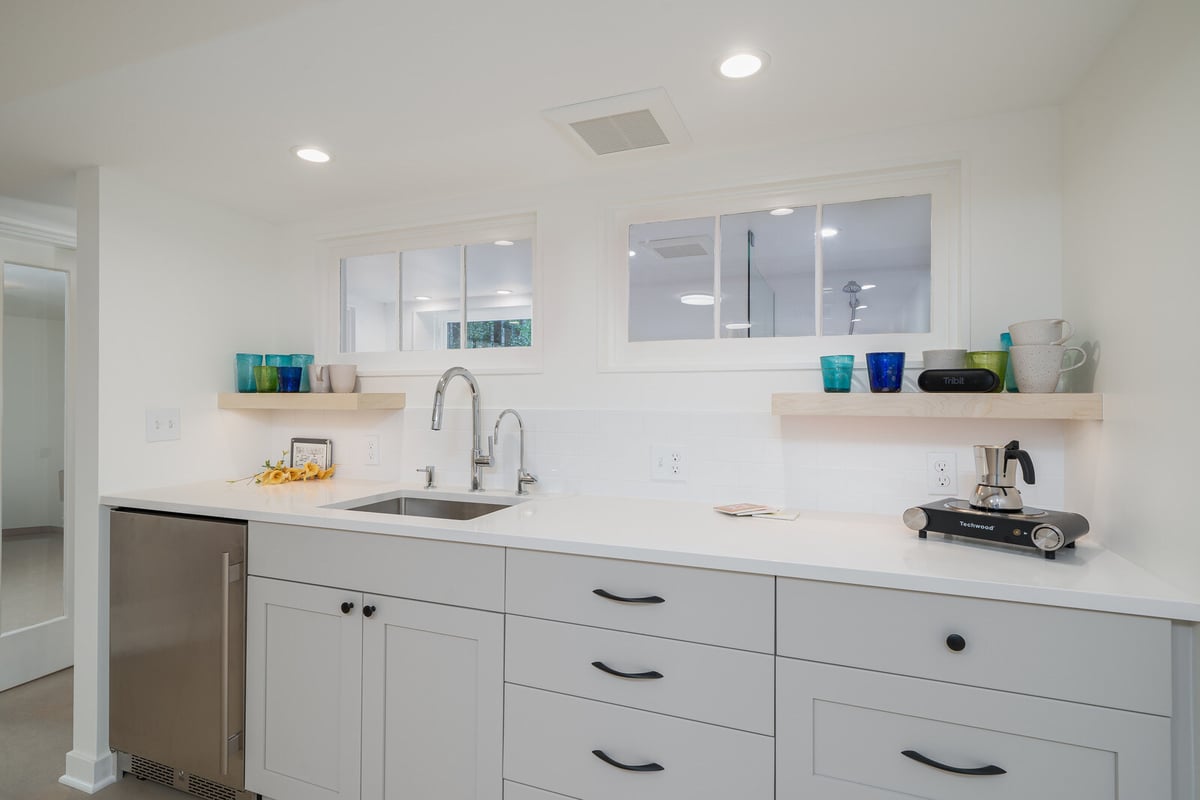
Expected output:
{"points": [[698, 605], [1086, 656], [549, 741], [842, 733], [456, 574], [519, 791], [701, 682]]}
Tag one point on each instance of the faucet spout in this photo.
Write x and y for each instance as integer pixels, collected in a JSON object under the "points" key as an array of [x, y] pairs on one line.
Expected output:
{"points": [[479, 460], [523, 477]]}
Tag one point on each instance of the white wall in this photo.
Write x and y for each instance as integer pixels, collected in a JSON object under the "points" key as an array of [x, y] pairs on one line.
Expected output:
{"points": [[1131, 267], [184, 285], [600, 425], [34, 424]]}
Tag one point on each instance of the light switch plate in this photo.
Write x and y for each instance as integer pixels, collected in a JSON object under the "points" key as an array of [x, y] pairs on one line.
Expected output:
{"points": [[162, 424]]}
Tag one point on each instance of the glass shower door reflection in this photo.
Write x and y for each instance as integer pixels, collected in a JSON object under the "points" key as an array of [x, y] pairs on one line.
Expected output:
{"points": [[32, 435]]}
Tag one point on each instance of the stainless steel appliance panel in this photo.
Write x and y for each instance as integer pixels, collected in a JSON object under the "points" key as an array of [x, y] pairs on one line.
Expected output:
{"points": [[177, 642]]}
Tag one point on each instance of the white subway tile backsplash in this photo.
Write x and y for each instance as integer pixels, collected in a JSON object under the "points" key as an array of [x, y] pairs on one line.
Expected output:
{"points": [[872, 465]]}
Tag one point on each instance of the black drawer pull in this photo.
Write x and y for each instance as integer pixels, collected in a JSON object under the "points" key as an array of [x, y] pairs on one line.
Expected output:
{"points": [[956, 642], [368, 610], [991, 769], [641, 676], [651, 767], [617, 598], [347, 607]]}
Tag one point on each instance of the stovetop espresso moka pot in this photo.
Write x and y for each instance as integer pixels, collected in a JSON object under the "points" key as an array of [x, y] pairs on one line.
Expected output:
{"points": [[996, 466]]}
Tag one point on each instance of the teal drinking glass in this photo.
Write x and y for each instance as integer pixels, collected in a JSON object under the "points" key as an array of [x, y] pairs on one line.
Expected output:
{"points": [[277, 360], [246, 362], [836, 372], [304, 361]]}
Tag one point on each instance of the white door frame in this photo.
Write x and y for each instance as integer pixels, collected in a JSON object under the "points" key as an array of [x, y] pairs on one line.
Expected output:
{"points": [[47, 646]]}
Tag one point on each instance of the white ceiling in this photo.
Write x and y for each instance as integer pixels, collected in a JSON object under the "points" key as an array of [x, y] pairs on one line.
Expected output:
{"points": [[444, 97]]}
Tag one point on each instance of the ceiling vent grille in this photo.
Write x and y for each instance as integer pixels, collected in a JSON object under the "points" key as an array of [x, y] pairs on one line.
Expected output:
{"points": [[682, 247], [619, 132], [626, 123]]}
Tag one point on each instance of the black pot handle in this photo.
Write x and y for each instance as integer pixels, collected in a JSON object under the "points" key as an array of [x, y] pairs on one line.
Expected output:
{"points": [[1012, 451], [990, 769]]}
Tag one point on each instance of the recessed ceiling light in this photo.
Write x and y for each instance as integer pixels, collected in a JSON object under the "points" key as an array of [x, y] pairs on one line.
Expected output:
{"points": [[736, 326], [422, 297], [502, 243], [313, 154], [868, 286], [827, 232], [782, 212], [504, 291], [696, 299], [743, 64], [632, 253]]}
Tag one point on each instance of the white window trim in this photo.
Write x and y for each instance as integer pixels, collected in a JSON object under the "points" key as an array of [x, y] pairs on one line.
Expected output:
{"points": [[949, 304], [483, 361]]}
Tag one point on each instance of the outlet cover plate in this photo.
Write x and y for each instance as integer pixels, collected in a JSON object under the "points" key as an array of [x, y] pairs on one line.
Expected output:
{"points": [[668, 462]]}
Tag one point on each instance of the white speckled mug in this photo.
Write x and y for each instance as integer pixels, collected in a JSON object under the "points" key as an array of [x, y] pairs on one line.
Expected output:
{"points": [[318, 378], [1037, 366], [1041, 331], [341, 377]]}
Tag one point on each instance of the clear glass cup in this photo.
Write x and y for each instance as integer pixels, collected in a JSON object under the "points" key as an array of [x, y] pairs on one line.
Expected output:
{"points": [[836, 372], [885, 371], [266, 379], [246, 362]]}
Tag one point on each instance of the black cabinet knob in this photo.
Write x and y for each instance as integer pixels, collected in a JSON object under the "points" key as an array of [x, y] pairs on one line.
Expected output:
{"points": [[368, 610], [347, 607], [956, 642]]}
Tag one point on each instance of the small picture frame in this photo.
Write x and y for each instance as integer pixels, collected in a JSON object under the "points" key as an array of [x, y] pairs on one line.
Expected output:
{"points": [[318, 451]]}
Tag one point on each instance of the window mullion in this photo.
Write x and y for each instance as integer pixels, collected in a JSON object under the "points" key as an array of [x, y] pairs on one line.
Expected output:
{"points": [[819, 276], [717, 277], [462, 288]]}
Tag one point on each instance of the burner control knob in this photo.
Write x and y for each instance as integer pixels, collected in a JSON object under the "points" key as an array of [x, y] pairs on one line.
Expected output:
{"points": [[1047, 537], [916, 519]]}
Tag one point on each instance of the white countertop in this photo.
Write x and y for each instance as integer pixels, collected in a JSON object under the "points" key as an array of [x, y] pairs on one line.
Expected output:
{"points": [[863, 549]]}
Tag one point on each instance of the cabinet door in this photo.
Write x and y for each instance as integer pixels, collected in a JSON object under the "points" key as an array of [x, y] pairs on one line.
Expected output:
{"points": [[432, 702], [304, 691]]}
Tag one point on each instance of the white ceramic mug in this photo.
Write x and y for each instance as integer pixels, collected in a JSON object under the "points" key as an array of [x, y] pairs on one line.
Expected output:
{"points": [[1041, 331], [944, 359], [341, 377], [1037, 366], [318, 379]]}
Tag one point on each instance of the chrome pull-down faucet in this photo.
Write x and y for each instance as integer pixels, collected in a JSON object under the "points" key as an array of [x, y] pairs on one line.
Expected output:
{"points": [[478, 459], [523, 477]]}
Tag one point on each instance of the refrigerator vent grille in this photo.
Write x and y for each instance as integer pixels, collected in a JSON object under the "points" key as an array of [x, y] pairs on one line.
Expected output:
{"points": [[209, 790], [149, 770]]}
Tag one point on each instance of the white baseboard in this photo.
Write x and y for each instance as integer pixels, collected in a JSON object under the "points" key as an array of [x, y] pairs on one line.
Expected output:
{"points": [[89, 774]]}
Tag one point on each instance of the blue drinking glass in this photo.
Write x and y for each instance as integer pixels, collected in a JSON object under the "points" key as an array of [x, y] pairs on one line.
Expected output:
{"points": [[289, 378], [246, 362], [304, 361], [885, 371]]}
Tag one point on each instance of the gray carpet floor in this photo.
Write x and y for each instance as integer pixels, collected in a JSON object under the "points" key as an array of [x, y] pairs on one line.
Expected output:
{"points": [[35, 735]]}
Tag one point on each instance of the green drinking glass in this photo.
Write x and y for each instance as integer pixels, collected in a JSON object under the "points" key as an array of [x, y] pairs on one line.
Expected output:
{"points": [[994, 360], [266, 379]]}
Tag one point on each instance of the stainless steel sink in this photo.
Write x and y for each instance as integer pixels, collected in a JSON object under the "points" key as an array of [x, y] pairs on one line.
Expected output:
{"points": [[430, 507]]}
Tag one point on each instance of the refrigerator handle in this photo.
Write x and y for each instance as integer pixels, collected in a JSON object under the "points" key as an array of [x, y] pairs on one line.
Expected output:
{"points": [[224, 663]]}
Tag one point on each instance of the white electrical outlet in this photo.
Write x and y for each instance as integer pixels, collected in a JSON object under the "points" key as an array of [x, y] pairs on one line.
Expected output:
{"points": [[941, 474], [162, 424], [372, 450], [668, 462]]}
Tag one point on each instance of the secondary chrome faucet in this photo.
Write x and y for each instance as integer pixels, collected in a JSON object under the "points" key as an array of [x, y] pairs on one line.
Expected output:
{"points": [[523, 477], [478, 459]]}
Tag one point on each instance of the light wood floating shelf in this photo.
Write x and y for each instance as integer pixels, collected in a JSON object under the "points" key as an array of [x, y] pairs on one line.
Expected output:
{"points": [[305, 401], [963, 406]]}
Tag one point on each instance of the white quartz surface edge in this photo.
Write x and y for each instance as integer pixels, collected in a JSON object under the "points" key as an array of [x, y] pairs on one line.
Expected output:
{"points": [[864, 549]]}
